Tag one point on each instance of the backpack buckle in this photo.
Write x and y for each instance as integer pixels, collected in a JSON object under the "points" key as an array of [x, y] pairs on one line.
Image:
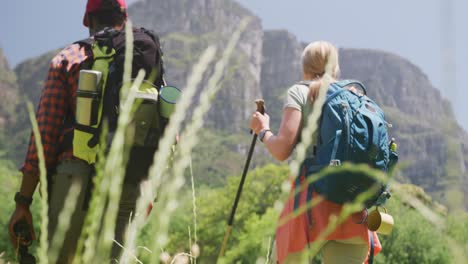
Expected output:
{"points": [[335, 163]]}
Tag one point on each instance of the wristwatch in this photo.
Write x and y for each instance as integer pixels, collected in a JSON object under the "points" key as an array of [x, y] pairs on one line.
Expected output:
{"points": [[21, 199], [262, 134]]}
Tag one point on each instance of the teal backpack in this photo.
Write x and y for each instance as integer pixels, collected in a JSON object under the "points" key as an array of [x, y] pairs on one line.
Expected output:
{"points": [[352, 129]]}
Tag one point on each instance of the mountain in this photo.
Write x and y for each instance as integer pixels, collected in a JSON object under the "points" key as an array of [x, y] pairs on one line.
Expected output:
{"points": [[433, 147], [186, 28], [31, 75], [281, 67], [9, 95], [8, 92]]}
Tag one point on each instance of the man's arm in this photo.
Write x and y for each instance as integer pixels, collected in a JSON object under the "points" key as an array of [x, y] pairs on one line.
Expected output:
{"points": [[50, 115], [29, 183]]}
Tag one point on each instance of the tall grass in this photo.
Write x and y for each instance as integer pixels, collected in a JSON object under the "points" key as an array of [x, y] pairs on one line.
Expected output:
{"points": [[458, 251], [188, 141], [161, 157], [116, 160], [194, 249], [64, 223], [88, 238], [44, 243]]}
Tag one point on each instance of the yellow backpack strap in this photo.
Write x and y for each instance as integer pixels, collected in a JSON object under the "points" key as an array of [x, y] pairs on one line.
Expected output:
{"points": [[86, 138]]}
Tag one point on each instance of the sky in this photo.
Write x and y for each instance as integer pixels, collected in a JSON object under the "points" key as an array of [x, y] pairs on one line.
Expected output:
{"points": [[429, 33]]}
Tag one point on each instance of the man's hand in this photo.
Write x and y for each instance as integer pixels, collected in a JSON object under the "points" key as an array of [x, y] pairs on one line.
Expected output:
{"points": [[21, 212]]}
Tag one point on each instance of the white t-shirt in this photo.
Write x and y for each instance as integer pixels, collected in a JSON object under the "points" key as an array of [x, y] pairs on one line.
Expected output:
{"points": [[298, 98]]}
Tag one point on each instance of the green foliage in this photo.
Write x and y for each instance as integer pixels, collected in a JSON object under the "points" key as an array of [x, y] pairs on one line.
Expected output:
{"points": [[255, 218], [457, 229], [452, 195], [414, 239], [10, 182], [220, 154], [9, 179], [256, 240]]}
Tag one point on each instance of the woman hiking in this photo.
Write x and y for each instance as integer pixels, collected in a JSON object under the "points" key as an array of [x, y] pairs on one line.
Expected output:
{"points": [[349, 242]]}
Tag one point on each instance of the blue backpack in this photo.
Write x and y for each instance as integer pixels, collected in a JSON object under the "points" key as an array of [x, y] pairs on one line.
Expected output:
{"points": [[352, 129]]}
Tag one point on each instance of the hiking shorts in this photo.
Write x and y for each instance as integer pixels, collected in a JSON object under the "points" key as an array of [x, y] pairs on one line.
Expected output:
{"points": [[348, 251]]}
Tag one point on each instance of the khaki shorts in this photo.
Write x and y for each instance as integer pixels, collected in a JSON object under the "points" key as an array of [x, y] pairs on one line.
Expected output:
{"points": [[349, 251], [69, 172]]}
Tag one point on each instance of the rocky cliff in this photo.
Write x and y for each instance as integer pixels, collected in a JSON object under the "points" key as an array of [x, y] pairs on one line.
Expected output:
{"points": [[186, 28], [32, 74], [433, 148], [281, 68]]}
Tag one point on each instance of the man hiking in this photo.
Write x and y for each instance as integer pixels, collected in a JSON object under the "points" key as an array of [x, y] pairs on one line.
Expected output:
{"points": [[70, 147]]}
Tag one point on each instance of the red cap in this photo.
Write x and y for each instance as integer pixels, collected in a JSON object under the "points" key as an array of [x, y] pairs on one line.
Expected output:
{"points": [[96, 5]]}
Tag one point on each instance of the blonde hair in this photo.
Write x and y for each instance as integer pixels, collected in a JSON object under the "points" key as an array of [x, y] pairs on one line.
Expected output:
{"points": [[316, 57]]}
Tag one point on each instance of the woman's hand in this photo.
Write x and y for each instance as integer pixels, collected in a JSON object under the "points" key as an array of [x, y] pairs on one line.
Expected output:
{"points": [[259, 121], [282, 144]]}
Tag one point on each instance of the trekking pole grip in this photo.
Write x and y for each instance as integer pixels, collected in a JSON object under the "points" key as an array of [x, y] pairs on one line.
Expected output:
{"points": [[260, 108], [260, 105]]}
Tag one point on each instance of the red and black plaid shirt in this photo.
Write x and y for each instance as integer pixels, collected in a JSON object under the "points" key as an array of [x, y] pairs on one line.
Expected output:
{"points": [[57, 103]]}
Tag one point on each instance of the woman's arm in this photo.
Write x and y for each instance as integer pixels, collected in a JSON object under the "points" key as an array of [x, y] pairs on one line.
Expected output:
{"points": [[282, 144]]}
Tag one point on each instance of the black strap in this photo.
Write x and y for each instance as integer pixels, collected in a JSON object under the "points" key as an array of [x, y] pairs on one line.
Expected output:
{"points": [[95, 131], [85, 42], [370, 259], [155, 39], [88, 94]]}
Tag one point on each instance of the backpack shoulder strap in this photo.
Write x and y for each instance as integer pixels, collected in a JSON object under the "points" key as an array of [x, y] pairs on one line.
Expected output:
{"points": [[88, 44], [85, 42], [159, 56]]}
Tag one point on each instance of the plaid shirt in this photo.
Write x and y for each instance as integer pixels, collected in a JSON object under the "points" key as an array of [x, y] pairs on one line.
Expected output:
{"points": [[57, 103]]}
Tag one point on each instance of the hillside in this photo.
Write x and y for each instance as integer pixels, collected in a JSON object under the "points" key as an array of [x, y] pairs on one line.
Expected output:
{"points": [[433, 148], [9, 95], [8, 92]]}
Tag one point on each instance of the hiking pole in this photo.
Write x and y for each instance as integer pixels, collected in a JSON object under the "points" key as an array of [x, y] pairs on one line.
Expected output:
{"points": [[260, 108]]}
